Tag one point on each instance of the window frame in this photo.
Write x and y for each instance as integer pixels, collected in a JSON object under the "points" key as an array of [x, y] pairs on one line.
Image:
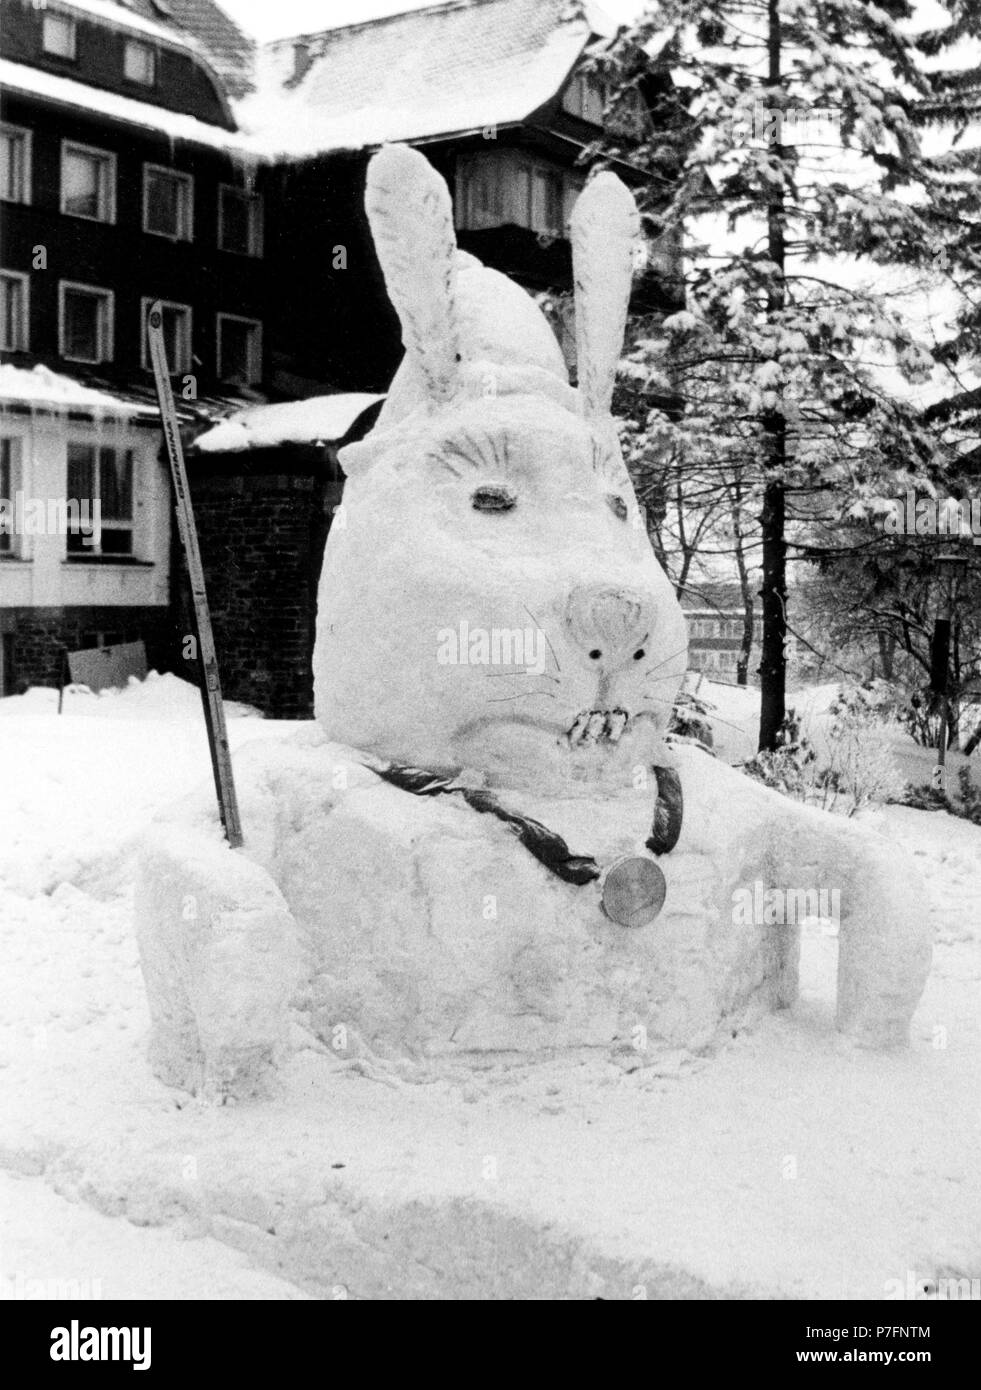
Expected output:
{"points": [[69, 21], [91, 552], [108, 320], [148, 48], [188, 181], [74, 146], [256, 222], [12, 542], [221, 318], [24, 134], [187, 363], [25, 310]]}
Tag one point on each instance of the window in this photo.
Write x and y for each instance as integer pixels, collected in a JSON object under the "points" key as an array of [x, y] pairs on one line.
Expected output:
{"points": [[176, 334], [168, 199], [85, 323], [496, 189], [88, 182], [545, 201], [14, 289], [97, 474], [239, 350], [59, 35], [585, 97], [139, 63], [15, 164], [239, 221], [9, 484]]}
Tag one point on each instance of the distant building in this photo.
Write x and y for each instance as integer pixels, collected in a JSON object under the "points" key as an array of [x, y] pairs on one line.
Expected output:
{"points": [[716, 620]]}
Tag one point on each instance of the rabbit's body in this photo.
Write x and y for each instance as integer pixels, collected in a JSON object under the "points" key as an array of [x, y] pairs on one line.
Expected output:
{"points": [[497, 655]]}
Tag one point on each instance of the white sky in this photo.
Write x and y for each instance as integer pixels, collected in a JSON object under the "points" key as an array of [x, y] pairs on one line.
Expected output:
{"points": [[267, 20]]}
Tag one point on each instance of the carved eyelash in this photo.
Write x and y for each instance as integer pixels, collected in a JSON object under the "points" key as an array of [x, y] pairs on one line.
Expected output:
{"points": [[487, 454], [605, 464]]}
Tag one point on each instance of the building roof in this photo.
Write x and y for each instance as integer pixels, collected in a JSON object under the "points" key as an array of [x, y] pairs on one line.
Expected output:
{"points": [[318, 420], [39, 388], [448, 69], [198, 24], [714, 598], [66, 91]]}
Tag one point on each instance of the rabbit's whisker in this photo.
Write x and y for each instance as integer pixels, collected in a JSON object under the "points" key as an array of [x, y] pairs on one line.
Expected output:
{"points": [[545, 635], [523, 695], [672, 657], [521, 675]]}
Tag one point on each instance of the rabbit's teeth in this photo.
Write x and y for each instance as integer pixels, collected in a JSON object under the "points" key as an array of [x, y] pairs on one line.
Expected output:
{"points": [[578, 727], [597, 726], [616, 722]]}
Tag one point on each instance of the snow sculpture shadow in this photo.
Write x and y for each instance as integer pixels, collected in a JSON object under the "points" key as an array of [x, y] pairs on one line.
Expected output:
{"points": [[472, 856]]}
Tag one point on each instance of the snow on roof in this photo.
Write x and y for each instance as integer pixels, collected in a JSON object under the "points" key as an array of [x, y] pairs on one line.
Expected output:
{"points": [[18, 77], [230, 49], [42, 388], [442, 70], [112, 13], [317, 420]]}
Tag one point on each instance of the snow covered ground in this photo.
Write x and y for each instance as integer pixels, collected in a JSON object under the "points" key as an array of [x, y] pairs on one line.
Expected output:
{"points": [[787, 1165]]}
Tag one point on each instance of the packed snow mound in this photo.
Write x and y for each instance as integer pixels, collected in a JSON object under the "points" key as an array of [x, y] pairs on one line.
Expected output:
{"points": [[361, 1178], [155, 697], [79, 786], [426, 931]]}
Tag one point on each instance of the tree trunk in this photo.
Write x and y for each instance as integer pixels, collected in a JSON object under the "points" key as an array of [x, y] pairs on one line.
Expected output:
{"points": [[773, 663], [887, 651], [746, 646]]}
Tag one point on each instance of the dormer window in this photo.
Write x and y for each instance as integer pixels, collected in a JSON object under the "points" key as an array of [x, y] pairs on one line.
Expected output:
{"points": [[58, 35], [585, 97], [139, 63]]}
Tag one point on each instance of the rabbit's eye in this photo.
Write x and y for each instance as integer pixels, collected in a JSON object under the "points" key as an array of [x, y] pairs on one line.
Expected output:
{"points": [[493, 497], [617, 505]]}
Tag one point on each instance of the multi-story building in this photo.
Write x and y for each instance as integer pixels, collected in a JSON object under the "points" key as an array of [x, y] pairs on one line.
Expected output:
{"points": [[144, 156], [123, 180]]}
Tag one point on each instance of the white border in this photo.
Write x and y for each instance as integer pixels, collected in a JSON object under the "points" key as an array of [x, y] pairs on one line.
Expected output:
{"points": [[110, 320], [67, 145], [188, 182], [175, 368], [25, 312], [258, 229], [28, 138], [253, 323]]}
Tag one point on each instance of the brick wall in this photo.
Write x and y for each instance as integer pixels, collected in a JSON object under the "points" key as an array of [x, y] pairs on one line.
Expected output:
{"points": [[35, 639], [262, 535]]}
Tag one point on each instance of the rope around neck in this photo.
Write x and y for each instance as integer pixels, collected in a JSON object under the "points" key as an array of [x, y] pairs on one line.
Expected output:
{"points": [[547, 847]]}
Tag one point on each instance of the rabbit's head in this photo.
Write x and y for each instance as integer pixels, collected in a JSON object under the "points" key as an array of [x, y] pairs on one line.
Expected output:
{"points": [[489, 597]]}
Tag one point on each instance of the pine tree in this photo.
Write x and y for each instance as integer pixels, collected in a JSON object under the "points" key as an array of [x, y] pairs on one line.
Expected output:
{"points": [[787, 147]]}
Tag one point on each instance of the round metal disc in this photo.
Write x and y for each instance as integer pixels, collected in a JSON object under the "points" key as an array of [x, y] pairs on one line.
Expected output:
{"points": [[634, 892]]}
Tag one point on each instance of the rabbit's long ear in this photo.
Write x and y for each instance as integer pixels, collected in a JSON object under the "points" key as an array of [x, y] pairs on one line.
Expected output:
{"points": [[604, 227], [411, 217]]}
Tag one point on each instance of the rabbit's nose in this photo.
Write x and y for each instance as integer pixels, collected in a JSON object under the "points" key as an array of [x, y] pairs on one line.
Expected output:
{"points": [[610, 625]]}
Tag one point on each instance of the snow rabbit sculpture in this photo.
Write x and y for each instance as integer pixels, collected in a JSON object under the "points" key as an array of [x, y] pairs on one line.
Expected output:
{"points": [[489, 848]]}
